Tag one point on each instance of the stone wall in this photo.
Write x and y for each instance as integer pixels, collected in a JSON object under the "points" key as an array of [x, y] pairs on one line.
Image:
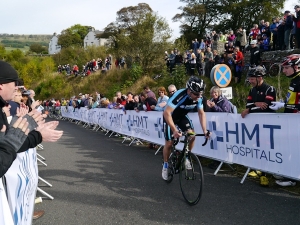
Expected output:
{"points": [[276, 55]]}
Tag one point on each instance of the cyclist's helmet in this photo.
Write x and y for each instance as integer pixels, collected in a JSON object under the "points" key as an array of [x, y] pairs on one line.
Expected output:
{"points": [[257, 71], [195, 84], [291, 60]]}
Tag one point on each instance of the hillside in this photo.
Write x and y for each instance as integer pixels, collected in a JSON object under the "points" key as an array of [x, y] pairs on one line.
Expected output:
{"points": [[23, 41]]}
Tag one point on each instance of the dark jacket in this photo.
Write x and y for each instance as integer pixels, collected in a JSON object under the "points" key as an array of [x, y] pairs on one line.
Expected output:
{"points": [[264, 93], [7, 152], [34, 137], [255, 56], [221, 105], [130, 105]]}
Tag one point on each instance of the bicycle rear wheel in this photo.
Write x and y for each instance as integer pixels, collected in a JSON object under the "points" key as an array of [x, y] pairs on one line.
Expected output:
{"points": [[274, 70], [191, 179]]}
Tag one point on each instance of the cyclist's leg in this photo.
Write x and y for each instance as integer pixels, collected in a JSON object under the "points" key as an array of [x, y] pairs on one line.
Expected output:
{"points": [[168, 141], [167, 150], [186, 124]]}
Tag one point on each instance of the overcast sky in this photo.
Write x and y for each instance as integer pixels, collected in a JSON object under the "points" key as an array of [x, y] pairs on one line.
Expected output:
{"points": [[49, 16]]}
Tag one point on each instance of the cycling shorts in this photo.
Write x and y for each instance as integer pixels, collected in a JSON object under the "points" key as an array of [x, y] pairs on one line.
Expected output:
{"points": [[183, 124]]}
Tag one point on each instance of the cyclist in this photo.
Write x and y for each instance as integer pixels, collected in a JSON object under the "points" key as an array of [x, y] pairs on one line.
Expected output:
{"points": [[291, 104], [175, 114], [291, 70], [258, 101], [261, 94]]}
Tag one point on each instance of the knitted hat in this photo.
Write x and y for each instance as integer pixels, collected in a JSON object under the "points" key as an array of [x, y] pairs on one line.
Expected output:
{"points": [[7, 73]]}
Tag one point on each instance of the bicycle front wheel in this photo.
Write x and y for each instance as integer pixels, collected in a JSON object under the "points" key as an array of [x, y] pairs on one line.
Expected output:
{"points": [[191, 178]]}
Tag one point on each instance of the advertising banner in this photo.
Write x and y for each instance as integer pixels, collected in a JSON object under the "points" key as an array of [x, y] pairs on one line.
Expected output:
{"points": [[267, 142]]}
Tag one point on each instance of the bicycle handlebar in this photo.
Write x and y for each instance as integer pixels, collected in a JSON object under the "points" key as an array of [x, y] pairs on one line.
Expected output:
{"points": [[186, 134]]}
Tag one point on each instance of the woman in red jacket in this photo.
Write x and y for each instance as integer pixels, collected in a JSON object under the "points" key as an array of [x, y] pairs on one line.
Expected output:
{"points": [[239, 63]]}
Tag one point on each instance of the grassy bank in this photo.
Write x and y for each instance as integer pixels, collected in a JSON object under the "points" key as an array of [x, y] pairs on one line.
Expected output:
{"points": [[59, 85]]}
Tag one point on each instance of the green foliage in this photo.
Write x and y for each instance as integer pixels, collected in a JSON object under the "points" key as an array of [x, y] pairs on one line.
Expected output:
{"points": [[47, 66], [199, 16], [21, 44], [79, 56], [178, 77], [2, 52], [37, 48], [139, 35], [136, 72], [255, 10], [14, 55], [73, 36]]}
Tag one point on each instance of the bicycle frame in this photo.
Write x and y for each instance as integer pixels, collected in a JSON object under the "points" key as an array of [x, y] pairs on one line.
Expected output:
{"points": [[189, 168]]}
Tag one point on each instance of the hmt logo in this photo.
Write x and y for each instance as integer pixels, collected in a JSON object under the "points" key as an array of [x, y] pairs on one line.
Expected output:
{"points": [[256, 140], [159, 127], [216, 135], [138, 124], [115, 119]]}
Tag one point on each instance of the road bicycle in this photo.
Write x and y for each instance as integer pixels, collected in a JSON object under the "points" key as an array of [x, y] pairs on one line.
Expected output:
{"points": [[189, 168]]}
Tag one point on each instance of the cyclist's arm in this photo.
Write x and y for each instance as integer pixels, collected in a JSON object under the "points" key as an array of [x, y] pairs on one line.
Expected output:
{"points": [[168, 118], [202, 119], [270, 97], [202, 116]]}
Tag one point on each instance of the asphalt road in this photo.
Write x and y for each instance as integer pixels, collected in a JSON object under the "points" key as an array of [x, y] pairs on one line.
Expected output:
{"points": [[99, 180]]}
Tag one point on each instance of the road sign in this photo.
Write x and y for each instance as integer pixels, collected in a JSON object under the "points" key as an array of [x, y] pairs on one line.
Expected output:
{"points": [[220, 75]]}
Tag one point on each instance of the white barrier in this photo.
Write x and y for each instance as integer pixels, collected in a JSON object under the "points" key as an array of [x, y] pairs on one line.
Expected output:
{"points": [[21, 184], [267, 142]]}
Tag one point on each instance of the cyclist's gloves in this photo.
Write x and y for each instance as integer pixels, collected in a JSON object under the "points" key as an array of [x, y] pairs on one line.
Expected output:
{"points": [[276, 105]]}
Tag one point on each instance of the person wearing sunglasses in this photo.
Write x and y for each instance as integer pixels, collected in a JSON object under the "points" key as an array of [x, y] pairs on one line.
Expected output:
{"points": [[175, 115], [172, 89], [161, 101]]}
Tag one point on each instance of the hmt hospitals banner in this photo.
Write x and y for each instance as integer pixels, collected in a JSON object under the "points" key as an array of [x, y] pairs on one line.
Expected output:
{"points": [[267, 142]]}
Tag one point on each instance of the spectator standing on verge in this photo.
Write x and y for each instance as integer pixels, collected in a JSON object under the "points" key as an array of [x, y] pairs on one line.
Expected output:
{"points": [[274, 31], [254, 54], [288, 29], [239, 63]]}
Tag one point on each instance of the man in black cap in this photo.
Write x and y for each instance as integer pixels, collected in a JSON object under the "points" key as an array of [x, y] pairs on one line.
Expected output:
{"points": [[15, 137], [8, 85], [9, 143], [297, 24]]}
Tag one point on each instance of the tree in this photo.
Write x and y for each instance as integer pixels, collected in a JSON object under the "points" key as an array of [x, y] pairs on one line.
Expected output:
{"points": [[73, 36], [199, 16], [37, 48], [2, 52], [140, 35], [248, 13]]}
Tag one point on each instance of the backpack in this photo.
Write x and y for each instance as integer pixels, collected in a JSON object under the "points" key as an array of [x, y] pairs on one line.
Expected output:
{"points": [[233, 108]]}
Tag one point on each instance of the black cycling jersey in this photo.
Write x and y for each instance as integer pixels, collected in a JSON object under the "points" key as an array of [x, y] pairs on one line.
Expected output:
{"points": [[263, 93]]}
